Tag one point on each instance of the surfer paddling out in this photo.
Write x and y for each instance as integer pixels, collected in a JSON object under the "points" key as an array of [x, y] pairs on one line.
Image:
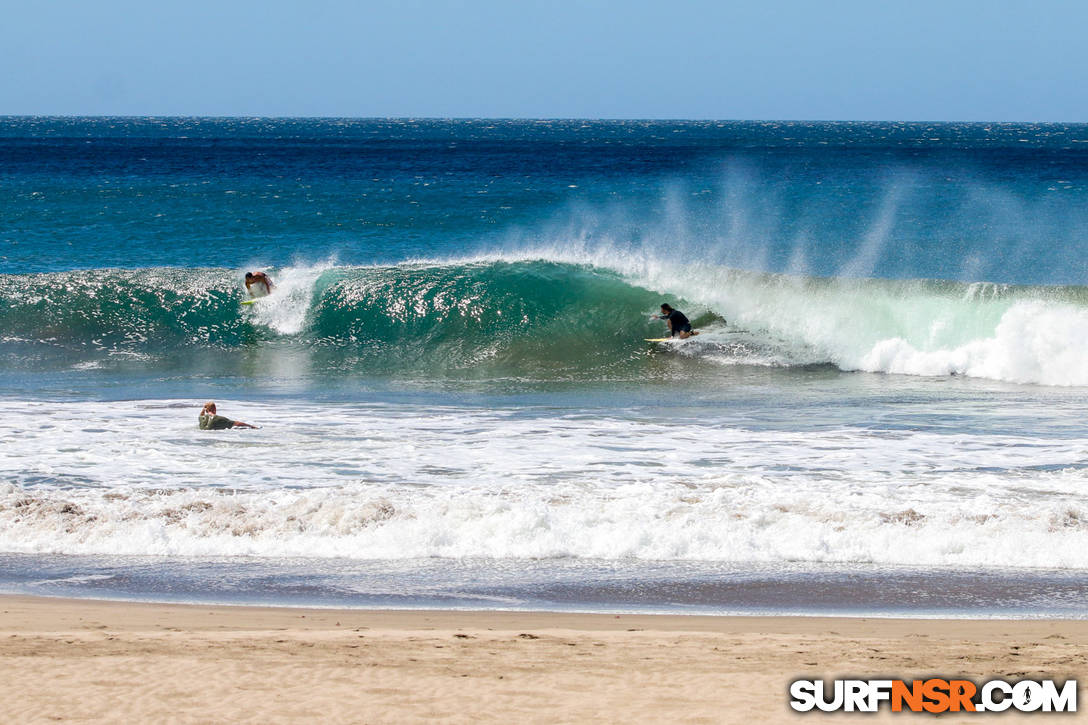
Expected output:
{"points": [[678, 323]]}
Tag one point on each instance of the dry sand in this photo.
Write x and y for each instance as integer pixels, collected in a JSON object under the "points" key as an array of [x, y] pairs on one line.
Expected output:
{"points": [[64, 659]]}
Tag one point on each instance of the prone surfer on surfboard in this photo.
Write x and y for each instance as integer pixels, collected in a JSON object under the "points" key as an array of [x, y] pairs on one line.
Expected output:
{"points": [[210, 420], [679, 325], [262, 283]]}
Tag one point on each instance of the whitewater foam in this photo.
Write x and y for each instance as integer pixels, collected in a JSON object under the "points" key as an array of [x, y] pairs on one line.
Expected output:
{"points": [[285, 312], [394, 482]]}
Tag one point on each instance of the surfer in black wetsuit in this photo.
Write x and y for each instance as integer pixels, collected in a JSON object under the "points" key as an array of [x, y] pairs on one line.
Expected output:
{"points": [[679, 325]]}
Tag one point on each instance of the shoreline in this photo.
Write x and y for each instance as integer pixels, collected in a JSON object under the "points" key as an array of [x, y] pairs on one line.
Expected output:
{"points": [[14, 603], [574, 611], [564, 586], [111, 660]]}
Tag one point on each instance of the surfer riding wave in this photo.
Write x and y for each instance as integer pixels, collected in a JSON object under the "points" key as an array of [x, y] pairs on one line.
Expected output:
{"points": [[678, 323], [258, 284]]}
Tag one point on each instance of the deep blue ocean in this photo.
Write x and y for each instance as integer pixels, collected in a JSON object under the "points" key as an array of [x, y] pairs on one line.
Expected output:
{"points": [[884, 411]]}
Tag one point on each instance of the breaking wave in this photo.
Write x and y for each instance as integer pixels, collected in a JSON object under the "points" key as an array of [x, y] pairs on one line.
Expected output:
{"points": [[550, 315]]}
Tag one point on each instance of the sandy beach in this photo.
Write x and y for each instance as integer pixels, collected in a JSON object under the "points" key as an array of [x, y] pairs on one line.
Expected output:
{"points": [[85, 660]]}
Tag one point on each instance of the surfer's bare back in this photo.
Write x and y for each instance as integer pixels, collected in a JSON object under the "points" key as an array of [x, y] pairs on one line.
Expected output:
{"points": [[258, 278]]}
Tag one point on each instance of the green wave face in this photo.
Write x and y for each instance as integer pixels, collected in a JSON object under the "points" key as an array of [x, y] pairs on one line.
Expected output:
{"points": [[537, 319], [530, 318], [123, 309]]}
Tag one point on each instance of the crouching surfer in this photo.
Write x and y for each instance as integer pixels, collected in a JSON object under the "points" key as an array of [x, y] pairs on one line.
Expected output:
{"points": [[679, 324], [210, 421], [258, 284]]}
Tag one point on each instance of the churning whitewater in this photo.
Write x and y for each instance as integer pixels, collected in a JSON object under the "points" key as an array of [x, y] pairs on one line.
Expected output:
{"points": [[402, 482]]}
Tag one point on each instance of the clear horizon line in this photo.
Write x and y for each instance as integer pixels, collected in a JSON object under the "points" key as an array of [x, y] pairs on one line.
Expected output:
{"points": [[659, 119]]}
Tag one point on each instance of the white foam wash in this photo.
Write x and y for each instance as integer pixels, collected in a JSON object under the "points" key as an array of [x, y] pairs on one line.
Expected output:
{"points": [[409, 481]]}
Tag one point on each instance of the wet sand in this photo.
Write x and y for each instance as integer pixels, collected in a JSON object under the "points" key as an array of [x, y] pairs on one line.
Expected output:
{"points": [[86, 660]]}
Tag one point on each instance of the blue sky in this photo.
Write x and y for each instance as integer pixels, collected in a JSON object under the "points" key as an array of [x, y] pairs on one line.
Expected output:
{"points": [[871, 60]]}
